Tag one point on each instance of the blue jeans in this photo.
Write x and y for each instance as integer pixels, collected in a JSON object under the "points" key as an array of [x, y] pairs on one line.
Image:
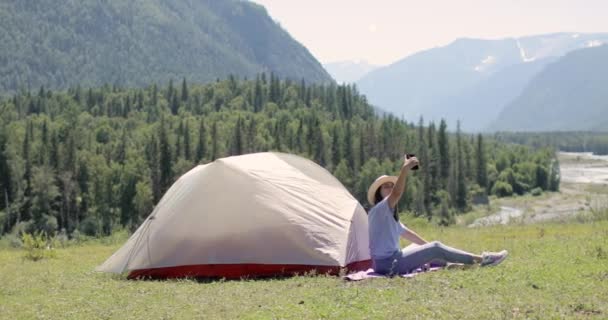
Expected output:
{"points": [[407, 260]]}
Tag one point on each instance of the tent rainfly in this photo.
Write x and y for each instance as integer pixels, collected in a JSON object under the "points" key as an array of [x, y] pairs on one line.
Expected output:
{"points": [[263, 214]]}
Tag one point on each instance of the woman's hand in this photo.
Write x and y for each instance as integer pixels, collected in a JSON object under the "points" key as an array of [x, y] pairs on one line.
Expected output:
{"points": [[411, 162]]}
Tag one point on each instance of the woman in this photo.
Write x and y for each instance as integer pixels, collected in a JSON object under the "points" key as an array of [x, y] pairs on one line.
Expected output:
{"points": [[385, 230]]}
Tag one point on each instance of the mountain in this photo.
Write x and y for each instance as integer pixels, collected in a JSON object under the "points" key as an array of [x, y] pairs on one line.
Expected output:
{"points": [[483, 102], [470, 79], [349, 71], [411, 85], [57, 44], [568, 95]]}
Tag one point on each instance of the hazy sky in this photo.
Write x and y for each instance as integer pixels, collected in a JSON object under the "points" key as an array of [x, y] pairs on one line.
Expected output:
{"points": [[384, 31]]}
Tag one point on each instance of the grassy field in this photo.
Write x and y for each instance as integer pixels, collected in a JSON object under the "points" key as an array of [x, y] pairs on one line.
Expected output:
{"points": [[554, 271]]}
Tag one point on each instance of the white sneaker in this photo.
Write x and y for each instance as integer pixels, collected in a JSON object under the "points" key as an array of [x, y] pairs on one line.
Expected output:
{"points": [[493, 258]]}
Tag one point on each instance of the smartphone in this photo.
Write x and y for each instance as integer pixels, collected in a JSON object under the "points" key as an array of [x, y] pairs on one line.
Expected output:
{"points": [[409, 155]]}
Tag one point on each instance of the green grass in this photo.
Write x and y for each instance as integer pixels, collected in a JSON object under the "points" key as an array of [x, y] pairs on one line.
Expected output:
{"points": [[553, 271]]}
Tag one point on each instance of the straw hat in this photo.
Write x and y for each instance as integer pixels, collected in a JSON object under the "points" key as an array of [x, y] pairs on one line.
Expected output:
{"points": [[371, 192]]}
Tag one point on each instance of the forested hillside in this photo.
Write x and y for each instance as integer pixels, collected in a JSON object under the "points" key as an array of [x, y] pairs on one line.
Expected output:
{"points": [[596, 142], [59, 44], [93, 160]]}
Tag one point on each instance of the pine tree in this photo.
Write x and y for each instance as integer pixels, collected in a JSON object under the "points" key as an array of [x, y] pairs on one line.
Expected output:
{"points": [[336, 146], [83, 187], [273, 89], [362, 147], [444, 153], [433, 163], [468, 159], [127, 194], [90, 100], [121, 154], [107, 219], [451, 185], [44, 143], [127, 107], [170, 91], [308, 96], [349, 149], [385, 140], [423, 157], [277, 136], [143, 202], [67, 192], [214, 142], [201, 148], [238, 137], [446, 216], [43, 194], [481, 162], [251, 136], [372, 149], [6, 193], [166, 169], [187, 144], [232, 85], [263, 78], [302, 90], [461, 187], [54, 158], [152, 156], [310, 136], [300, 137], [318, 142], [178, 143], [344, 174], [345, 108], [26, 209], [154, 95], [140, 101], [174, 104], [257, 96], [184, 90]]}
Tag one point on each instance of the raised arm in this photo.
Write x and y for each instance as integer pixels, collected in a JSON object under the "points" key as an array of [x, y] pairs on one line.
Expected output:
{"points": [[399, 187]]}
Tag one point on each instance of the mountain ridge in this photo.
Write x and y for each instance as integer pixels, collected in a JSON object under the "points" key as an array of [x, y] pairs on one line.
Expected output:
{"points": [[443, 82], [91, 43]]}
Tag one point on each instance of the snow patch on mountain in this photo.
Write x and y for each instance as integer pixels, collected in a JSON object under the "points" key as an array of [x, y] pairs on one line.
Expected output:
{"points": [[485, 63], [522, 52]]}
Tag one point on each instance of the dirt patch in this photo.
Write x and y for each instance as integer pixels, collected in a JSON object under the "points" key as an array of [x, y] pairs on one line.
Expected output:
{"points": [[584, 168]]}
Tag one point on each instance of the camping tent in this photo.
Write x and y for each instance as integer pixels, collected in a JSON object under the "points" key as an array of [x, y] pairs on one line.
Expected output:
{"points": [[262, 214]]}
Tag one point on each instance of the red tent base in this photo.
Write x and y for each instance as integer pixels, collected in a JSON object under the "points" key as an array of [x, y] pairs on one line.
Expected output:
{"points": [[237, 271]]}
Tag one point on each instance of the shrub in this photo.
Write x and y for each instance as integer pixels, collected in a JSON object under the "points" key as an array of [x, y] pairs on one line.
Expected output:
{"points": [[502, 189], [24, 227], [599, 213], [38, 246], [10, 241], [445, 214], [48, 224], [78, 237], [89, 226]]}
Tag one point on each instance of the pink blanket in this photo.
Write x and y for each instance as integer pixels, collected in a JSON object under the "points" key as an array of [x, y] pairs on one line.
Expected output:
{"points": [[369, 273]]}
